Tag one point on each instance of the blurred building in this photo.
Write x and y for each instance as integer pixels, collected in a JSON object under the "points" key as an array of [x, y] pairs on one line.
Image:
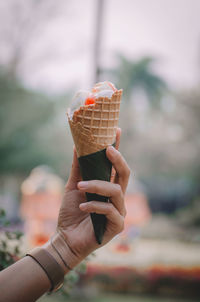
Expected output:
{"points": [[138, 211], [41, 198], [131, 263]]}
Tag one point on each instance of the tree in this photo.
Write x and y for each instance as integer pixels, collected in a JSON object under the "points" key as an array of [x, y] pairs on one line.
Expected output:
{"points": [[22, 22], [22, 116], [134, 75], [31, 131]]}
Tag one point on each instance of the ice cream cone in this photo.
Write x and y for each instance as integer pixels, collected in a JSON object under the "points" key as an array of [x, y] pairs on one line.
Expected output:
{"points": [[94, 127]]}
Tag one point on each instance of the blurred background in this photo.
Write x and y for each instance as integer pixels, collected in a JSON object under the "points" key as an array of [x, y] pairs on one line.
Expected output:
{"points": [[49, 50]]}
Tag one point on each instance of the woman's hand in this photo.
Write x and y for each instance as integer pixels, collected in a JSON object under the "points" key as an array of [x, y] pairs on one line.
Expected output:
{"points": [[74, 222], [75, 238]]}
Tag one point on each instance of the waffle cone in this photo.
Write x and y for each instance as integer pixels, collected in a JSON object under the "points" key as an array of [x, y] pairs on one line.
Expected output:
{"points": [[94, 127]]}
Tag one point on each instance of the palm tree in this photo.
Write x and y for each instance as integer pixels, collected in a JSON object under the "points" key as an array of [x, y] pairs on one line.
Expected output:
{"points": [[134, 75]]}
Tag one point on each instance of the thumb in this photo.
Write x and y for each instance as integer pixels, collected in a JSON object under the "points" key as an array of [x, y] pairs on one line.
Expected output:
{"points": [[118, 136], [75, 175]]}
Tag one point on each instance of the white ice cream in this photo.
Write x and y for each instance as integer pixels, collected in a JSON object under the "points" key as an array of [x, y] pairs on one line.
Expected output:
{"points": [[78, 101], [101, 89], [103, 86]]}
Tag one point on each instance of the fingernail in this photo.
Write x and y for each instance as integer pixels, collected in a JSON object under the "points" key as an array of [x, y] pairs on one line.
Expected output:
{"points": [[83, 184], [83, 206], [111, 150]]}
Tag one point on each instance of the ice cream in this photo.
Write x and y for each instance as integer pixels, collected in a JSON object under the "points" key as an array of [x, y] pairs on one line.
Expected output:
{"points": [[86, 97], [93, 117]]}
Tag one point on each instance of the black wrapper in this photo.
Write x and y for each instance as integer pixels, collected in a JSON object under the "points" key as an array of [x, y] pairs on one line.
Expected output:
{"points": [[96, 166]]}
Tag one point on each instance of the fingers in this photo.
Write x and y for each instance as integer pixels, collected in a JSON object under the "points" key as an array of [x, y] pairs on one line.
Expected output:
{"points": [[118, 135], [75, 175], [104, 188], [116, 220], [121, 167]]}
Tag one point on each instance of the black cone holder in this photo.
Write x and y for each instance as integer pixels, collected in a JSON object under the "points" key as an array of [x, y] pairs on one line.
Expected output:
{"points": [[96, 166]]}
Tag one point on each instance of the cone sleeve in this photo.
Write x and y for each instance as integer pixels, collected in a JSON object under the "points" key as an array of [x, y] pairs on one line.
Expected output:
{"points": [[96, 166]]}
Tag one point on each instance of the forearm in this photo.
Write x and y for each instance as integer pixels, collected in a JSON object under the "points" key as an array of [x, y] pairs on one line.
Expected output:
{"points": [[24, 281]]}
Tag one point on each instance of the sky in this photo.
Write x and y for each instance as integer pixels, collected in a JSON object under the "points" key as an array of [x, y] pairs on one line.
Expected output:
{"points": [[59, 54], [166, 29]]}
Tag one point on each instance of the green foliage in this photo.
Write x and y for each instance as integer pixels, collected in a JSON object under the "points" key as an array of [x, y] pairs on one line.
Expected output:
{"points": [[71, 279], [10, 243], [22, 114], [33, 129], [134, 75], [10, 251]]}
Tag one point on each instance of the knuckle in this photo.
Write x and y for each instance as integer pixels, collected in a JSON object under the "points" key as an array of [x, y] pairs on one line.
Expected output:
{"points": [[127, 170], [121, 226]]}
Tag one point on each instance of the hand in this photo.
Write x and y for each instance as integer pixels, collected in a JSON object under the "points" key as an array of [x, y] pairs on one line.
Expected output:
{"points": [[74, 222]]}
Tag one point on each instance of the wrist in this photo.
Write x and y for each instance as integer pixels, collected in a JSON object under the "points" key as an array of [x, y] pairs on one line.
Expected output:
{"points": [[61, 252], [48, 247]]}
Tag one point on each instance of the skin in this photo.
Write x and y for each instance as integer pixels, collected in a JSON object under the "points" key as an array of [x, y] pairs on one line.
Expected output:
{"points": [[25, 281]]}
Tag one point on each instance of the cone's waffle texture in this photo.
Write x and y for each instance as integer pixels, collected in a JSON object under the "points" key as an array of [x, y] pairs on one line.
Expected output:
{"points": [[94, 126]]}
